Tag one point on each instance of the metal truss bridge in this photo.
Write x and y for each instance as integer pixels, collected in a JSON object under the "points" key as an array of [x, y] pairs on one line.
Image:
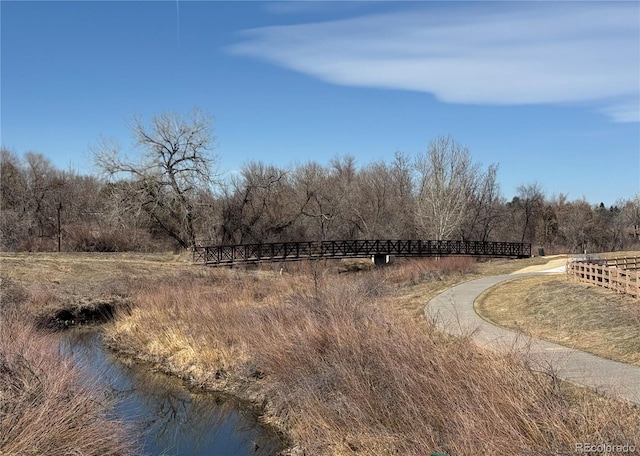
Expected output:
{"points": [[378, 250]]}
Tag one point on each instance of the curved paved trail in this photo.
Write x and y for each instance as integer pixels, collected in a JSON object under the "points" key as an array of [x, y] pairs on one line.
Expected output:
{"points": [[454, 313]]}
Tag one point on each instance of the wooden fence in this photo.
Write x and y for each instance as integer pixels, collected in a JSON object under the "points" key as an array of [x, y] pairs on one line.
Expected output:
{"points": [[602, 275], [624, 262]]}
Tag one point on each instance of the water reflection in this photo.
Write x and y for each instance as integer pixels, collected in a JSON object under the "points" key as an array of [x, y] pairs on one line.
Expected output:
{"points": [[171, 419]]}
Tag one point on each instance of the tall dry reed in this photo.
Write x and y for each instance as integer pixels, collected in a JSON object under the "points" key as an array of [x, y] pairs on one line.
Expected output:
{"points": [[45, 407], [342, 371]]}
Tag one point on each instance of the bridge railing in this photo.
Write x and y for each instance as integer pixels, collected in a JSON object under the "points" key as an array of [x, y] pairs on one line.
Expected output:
{"points": [[291, 251]]}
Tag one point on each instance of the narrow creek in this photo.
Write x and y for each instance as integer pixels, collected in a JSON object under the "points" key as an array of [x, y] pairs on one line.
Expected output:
{"points": [[170, 419]]}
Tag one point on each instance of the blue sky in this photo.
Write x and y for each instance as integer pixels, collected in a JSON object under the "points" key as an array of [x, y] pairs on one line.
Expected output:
{"points": [[548, 90]]}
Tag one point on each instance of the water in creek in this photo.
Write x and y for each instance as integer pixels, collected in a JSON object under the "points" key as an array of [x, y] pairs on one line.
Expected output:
{"points": [[171, 419]]}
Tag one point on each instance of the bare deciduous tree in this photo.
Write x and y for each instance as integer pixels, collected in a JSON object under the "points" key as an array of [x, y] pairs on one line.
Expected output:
{"points": [[484, 211], [313, 195], [529, 203], [342, 192], [578, 226], [446, 180], [15, 221], [631, 215], [259, 206], [174, 164], [372, 201]]}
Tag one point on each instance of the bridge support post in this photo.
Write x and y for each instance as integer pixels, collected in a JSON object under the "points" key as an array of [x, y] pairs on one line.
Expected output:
{"points": [[380, 259]]}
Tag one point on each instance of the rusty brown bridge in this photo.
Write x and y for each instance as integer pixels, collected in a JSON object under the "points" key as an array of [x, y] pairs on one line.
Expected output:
{"points": [[378, 250]]}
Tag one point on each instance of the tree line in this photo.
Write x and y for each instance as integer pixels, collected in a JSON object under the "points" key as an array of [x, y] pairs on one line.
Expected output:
{"points": [[169, 194]]}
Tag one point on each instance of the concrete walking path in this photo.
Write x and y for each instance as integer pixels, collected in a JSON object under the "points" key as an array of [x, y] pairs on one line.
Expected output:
{"points": [[454, 313]]}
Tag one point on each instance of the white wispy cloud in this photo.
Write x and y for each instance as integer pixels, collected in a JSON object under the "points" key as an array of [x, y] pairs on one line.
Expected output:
{"points": [[479, 53]]}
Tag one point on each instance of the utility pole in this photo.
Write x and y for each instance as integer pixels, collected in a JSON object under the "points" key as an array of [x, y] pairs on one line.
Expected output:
{"points": [[59, 229]]}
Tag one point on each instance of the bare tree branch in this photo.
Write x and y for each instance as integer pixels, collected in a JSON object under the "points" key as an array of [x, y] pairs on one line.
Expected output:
{"points": [[174, 164]]}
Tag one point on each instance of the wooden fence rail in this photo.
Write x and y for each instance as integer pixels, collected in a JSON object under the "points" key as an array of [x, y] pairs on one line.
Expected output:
{"points": [[624, 262], [611, 277]]}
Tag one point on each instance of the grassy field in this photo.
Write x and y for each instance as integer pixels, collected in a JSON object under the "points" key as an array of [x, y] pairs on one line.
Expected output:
{"points": [[340, 363], [621, 254], [588, 318]]}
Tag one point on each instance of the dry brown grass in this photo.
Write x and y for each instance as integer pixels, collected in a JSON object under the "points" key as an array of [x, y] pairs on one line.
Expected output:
{"points": [[620, 254], [422, 279], [72, 288], [335, 360], [43, 408], [416, 281], [341, 371], [46, 406], [82, 271], [508, 266], [592, 319], [173, 319]]}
